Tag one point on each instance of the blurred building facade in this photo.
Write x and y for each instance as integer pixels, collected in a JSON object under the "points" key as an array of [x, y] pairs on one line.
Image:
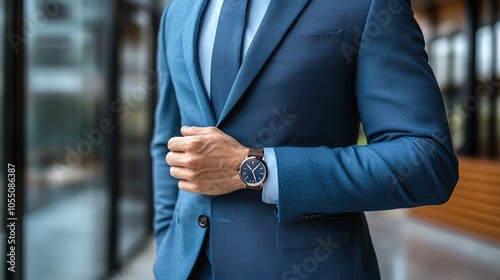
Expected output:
{"points": [[88, 76], [89, 84], [463, 41]]}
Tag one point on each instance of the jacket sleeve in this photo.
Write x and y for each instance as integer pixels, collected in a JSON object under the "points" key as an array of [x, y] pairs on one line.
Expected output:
{"points": [[167, 125], [409, 160]]}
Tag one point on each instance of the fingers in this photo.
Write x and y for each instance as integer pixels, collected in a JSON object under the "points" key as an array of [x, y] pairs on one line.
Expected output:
{"points": [[184, 160], [189, 186], [195, 130], [191, 138], [177, 144], [181, 173], [172, 159], [184, 183]]}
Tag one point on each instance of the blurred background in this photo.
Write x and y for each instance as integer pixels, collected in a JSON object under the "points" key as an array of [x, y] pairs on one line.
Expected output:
{"points": [[78, 94]]}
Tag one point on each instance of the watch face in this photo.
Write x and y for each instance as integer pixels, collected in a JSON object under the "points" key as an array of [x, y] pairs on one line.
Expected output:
{"points": [[253, 172]]}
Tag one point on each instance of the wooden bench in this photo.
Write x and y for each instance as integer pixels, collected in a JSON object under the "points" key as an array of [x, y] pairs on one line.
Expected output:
{"points": [[474, 207]]}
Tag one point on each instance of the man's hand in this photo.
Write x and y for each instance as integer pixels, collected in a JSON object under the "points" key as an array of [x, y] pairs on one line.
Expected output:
{"points": [[206, 161]]}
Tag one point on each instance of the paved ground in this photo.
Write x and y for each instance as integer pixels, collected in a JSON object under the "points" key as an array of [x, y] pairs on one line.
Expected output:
{"points": [[407, 249]]}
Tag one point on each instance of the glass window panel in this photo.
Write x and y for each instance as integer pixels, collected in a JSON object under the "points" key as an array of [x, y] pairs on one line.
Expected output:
{"points": [[449, 56], [497, 31], [484, 65], [484, 52], [440, 49], [497, 83], [56, 50], [498, 125], [66, 199], [459, 45], [163, 3], [483, 96], [486, 88], [137, 81]]}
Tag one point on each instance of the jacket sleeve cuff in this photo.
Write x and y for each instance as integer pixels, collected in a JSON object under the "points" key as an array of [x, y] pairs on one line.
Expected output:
{"points": [[270, 190]]}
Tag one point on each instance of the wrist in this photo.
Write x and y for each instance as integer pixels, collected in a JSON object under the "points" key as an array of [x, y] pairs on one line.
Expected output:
{"points": [[241, 155]]}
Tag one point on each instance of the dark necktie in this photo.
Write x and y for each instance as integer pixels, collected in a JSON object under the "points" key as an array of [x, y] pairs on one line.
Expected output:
{"points": [[226, 57]]}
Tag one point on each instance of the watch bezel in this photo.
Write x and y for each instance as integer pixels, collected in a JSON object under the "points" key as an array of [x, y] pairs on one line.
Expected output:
{"points": [[257, 185]]}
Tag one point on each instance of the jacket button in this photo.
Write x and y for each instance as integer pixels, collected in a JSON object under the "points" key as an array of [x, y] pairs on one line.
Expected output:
{"points": [[203, 221]]}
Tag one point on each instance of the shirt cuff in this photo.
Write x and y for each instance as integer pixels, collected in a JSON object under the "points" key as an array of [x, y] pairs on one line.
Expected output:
{"points": [[270, 190]]}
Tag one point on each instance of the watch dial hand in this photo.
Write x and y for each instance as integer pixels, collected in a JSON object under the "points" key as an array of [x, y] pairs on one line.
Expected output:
{"points": [[252, 172], [255, 168]]}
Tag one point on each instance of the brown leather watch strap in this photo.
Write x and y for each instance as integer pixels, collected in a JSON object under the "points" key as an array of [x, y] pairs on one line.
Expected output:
{"points": [[256, 152]]}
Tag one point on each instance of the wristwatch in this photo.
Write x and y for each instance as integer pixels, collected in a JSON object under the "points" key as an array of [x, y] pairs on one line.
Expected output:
{"points": [[253, 169]]}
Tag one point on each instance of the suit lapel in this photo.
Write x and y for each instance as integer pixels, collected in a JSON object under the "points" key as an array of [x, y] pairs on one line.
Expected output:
{"points": [[190, 40], [279, 17]]}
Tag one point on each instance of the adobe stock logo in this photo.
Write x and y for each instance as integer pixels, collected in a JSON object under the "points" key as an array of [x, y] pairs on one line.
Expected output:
{"points": [[310, 264]]}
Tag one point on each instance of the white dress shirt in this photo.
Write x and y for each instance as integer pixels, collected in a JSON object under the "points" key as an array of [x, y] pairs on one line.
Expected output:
{"points": [[206, 39]]}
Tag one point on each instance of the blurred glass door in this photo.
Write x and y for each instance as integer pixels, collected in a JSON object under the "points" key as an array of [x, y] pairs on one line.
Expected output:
{"points": [[66, 198], [137, 81]]}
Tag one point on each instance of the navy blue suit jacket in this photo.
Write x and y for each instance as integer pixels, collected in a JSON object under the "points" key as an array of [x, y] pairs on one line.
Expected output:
{"points": [[315, 70]]}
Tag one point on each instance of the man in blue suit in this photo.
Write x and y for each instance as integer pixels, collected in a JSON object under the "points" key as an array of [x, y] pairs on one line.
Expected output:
{"points": [[258, 117]]}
